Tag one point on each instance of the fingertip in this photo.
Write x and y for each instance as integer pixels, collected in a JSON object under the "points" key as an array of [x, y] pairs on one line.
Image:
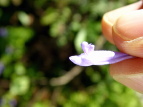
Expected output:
{"points": [[127, 67], [110, 18], [128, 33], [129, 72]]}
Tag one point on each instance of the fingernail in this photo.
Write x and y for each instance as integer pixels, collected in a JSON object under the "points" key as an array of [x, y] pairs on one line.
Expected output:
{"points": [[134, 47], [133, 81]]}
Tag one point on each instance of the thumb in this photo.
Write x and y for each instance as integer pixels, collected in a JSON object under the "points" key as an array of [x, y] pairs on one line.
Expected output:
{"points": [[128, 33], [128, 37]]}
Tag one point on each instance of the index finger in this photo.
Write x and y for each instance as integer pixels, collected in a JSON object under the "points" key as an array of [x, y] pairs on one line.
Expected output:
{"points": [[110, 18]]}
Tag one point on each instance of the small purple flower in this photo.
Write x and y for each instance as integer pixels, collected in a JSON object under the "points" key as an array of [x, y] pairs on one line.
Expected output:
{"points": [[1, 68], [13, 103], [3, 32], [99, 57]]}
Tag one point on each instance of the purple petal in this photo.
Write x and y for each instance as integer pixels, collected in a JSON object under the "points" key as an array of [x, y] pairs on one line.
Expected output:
{"points": [[91, 57], [99, 58], [80, 61], [120, 57], [1, 67], [87, 47]]}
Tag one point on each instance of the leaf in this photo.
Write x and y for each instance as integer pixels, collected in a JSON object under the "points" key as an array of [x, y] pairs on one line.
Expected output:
{"points": [[81, 36]]}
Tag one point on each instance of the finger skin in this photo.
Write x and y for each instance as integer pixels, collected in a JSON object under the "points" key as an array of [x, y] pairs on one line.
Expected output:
{"points": [[129, 73], [124, 28], [128, 33], [127, 67], [110, 18]]}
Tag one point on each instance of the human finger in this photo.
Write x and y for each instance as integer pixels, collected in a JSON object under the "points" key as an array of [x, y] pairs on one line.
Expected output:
{"points": [[110, 18], [128, 33], [129, 72]]}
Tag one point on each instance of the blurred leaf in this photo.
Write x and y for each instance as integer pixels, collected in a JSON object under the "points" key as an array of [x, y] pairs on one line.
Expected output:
{"points": [[18, 36], [40, 3], [19, 85], [50, 16], [93, 75], [19, 69], [16, 2], [75, 26], [98, 7], [81, 36], [41, 104], [4, 3], [24, 18], [62, 40], [65, 14], [57, 29]]}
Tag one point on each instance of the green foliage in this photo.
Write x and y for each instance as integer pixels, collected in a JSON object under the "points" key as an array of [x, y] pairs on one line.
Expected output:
{"points": [[38, 36]]}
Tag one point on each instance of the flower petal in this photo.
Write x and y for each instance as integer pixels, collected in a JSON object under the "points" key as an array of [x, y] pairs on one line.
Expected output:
{"points": [[80, 61], [91, 57], [120, 57], [87, 47]]}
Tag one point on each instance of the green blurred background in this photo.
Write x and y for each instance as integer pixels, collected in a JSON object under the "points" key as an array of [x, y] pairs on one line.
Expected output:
{"points": [[36, 39]]}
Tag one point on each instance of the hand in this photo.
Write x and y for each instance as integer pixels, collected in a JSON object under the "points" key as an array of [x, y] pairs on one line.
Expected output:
{"points": [[124, 28]]}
